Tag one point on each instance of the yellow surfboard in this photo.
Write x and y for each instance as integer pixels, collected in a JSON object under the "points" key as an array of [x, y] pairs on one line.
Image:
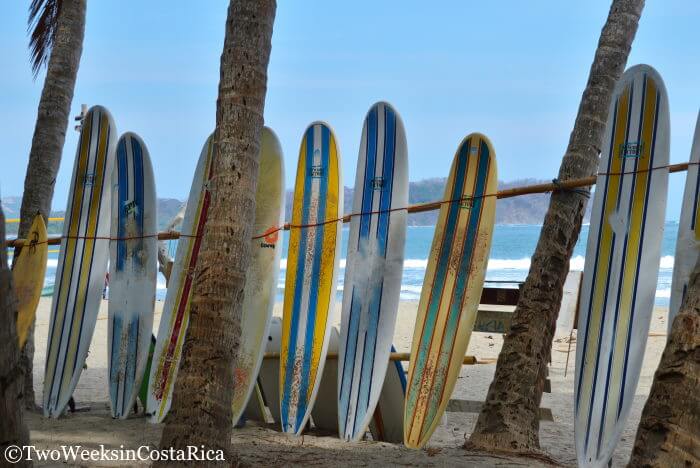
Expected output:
{"points": [[312, 266], [28, 274], [451, 288]]}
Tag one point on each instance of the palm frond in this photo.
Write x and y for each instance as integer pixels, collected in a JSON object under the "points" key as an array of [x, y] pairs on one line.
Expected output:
{"points": [[41, 26]]}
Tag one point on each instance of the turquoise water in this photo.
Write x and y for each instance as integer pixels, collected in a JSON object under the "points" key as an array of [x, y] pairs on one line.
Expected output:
{"points": [[509, 260]]}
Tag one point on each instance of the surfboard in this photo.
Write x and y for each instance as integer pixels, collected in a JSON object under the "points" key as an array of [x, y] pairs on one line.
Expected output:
{"points": [[28, 274], [622, 262], [324, 414], [312, 266], [82, 260], [261, 279], [373, 269], [133, 263], [452, 287], [176, 310], [688, 241], [387, 422]]}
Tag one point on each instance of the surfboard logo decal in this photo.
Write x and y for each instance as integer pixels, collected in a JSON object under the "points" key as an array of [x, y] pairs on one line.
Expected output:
{"points": [[378, 183], [631, 149], [271, 237]]}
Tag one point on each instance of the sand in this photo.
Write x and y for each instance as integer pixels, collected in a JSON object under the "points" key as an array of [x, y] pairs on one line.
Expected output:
{"points": [[264, 445]]}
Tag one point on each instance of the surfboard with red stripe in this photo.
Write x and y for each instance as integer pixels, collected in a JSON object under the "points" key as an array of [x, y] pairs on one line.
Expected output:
{"points": [[452, 287], [176, 310]]}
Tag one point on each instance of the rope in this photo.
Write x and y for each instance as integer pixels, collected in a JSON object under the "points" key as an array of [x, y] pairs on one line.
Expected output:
{"points": [[572, 185], [580, 191]]}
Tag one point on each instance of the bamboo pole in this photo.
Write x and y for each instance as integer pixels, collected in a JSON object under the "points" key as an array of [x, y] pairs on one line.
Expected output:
{"points": [[468, 360], [16, 220], [431, 206]]}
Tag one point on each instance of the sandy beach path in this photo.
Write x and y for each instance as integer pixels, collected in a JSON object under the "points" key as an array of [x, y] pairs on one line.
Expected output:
{"points": [[264, 445]]}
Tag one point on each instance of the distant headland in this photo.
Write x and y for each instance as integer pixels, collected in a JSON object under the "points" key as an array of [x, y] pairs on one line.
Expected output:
{"points": [[528, 209]]}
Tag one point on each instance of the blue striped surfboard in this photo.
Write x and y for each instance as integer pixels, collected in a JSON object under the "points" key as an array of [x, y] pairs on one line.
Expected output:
{"points": [[82, 261], [622, 262], [688, 241], [452, 287], [312, 265], [132, 272], [373, 269]]}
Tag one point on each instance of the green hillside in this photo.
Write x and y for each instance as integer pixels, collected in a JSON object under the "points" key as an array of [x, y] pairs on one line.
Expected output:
{"points": [[527, 209]]}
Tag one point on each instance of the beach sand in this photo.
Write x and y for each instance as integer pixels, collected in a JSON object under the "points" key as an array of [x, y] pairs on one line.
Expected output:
{"points": [[265, 446]]}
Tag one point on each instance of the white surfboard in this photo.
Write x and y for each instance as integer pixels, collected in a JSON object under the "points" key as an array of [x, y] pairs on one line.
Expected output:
{"points": [[176, 310], [133, 266], [688, 241], [622, 262], [82, 261], [374, 268], [261, 279]]}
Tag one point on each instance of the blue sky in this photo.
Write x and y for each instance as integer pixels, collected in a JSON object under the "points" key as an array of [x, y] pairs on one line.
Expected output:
{"points": [[512, 70]]}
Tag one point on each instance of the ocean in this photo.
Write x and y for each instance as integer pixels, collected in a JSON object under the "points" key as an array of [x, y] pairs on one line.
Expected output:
{"points": [[509, 261]]}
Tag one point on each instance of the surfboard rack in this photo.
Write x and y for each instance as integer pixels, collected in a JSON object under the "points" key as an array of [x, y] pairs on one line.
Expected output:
{"points": [[468, 360], [496, 309]]}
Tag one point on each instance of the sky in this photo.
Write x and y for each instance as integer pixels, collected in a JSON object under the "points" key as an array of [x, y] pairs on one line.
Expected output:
{"points": [[510, 69]]}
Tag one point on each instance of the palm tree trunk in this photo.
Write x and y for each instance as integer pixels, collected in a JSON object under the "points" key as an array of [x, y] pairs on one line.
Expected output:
{"points": [[202, 398], [669, 431], [13, 431], [47, 143], [509, 419]]}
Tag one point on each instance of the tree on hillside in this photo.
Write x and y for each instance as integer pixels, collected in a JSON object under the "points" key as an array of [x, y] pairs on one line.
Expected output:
{"points": [[669, 431], [13, 430], [201, 408], [509, 419], [57, 31]]}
